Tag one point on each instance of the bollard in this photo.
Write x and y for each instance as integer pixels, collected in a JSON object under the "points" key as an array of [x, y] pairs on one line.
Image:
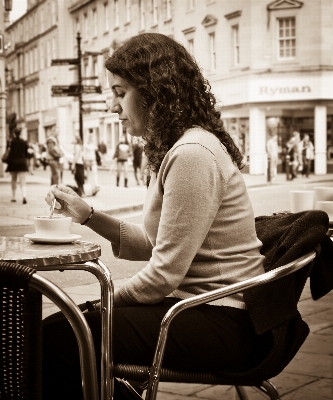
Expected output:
{"points": [[268, 169], [288, 167]]}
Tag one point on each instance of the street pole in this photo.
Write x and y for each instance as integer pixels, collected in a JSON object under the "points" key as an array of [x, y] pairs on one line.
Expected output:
{"points": [[79, 73]]}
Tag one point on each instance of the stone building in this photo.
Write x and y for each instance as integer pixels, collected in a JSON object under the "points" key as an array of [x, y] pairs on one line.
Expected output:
{"points": [[269, 63]]}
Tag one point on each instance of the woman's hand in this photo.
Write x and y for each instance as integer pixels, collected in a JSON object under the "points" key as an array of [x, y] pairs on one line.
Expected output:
{"points": [[68, 203]]}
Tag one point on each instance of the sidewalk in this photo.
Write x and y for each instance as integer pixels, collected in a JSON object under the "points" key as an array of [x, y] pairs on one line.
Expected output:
{"points": [[307, 377]]}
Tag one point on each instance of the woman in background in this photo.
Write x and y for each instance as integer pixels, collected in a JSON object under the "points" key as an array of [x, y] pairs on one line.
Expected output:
{"points": [[121, 155], [18, 164]]}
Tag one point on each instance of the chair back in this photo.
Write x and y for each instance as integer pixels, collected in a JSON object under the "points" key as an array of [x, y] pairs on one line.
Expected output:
{"points": [[21, 334]]}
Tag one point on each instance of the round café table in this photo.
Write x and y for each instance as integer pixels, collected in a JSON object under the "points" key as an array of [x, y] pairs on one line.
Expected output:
{"points": [[78, 255]]}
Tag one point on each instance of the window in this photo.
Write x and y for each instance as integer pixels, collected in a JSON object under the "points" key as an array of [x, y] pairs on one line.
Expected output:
{"points": [[42, 57], [116, 13], [142, 14], [95, 67], [167, 10], [54, 47], [286, 38], [154, 6], [48, 53], [85, 26], [106, 16], [94, 17], [190, 5], [212, 50], [190, 46], [235, 44], [42, 19], [54, 15], [128, 10], [36, 59]]}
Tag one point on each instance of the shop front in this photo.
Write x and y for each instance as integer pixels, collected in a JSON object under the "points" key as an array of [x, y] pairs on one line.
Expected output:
{"points": [[296, 101]]}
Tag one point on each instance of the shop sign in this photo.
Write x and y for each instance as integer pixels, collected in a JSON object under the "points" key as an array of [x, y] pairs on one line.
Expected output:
{"points": [[272, 91]]}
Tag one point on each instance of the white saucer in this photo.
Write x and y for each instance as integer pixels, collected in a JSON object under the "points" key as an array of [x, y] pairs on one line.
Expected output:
{"points": [[40, 239]]}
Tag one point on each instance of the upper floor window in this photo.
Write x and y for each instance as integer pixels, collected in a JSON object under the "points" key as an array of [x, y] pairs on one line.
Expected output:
{"points": [[142, 14], [154, 6], [168, 9], [42, 26], [106, 16], [128, 10], [85, 26], [190, 46], [235, 43], [190, 5], [212, 48], [94, 17], [54, 12], [116, 13], [286, 38]]}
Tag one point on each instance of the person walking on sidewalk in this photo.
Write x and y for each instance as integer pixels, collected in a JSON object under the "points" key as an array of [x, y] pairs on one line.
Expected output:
{"points": [[198, 231], [90, 163], [78, 165], [307, 154], [121, 155], [17, 164], [137, 158], [53, 156]]}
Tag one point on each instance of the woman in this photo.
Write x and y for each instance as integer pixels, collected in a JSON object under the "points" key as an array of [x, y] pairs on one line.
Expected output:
{"points": [[121, 155], [198, 229], [137, 158], [307, 153], [18, 165], [78, 166]]}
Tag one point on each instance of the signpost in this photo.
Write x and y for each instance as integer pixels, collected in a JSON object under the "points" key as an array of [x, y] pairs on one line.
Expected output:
{"points": [[76, 90]]}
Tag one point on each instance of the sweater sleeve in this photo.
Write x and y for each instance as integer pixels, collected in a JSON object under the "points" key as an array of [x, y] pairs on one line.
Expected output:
{"points": [[134, 243], [193, 188]]}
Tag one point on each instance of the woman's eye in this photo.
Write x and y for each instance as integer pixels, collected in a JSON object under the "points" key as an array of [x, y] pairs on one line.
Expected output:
{"points": [[120, 94]]}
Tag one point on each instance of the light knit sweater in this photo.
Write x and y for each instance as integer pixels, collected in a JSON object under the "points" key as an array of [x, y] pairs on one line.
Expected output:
{"points": [[198, 231]]}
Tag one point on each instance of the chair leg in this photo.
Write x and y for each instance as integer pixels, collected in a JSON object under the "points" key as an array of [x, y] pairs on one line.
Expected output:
{"points": [[270, 390], [240, 393]]}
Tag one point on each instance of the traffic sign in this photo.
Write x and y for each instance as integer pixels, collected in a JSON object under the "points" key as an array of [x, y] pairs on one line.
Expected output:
{"points": [[88, 110], [65, 90], [91, 89], [64, 61]]}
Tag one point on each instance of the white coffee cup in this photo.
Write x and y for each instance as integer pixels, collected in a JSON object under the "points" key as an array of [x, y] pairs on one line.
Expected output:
{"points": [[56, 227], [301, 200], [326, 206], [323, 193]]}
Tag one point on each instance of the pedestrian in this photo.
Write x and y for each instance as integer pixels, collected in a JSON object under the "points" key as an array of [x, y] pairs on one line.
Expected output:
{"points": [[273, 153], [18, 164], [121, 155], [294, 153], [137, 158], [198, 231], [78, 165], [102, 151], [307, 153], [90, 163], [31, 158], [53, 155]]}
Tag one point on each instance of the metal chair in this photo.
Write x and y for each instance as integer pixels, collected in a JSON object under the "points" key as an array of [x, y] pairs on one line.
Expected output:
{"points": [[21, 329], [292, 245], [154, 374]]}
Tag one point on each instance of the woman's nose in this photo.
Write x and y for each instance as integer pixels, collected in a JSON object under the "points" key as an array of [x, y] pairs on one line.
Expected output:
{"points": [[116, 108]]}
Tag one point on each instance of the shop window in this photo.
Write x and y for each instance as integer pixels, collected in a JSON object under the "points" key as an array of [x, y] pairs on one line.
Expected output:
{"points": [[116, 13], [286, 38]]}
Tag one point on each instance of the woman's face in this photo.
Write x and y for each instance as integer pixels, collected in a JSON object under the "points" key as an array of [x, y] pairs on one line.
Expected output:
{"points": [[127, 102]]}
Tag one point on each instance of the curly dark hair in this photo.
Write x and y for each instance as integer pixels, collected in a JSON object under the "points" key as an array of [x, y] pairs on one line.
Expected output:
{"points": [[175, 93]]}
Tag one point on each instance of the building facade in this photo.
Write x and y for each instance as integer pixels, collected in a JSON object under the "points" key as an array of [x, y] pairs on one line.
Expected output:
{"points": [[269, 63]]}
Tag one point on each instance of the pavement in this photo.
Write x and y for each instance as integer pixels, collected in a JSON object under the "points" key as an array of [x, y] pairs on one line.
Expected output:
{"points": [[307, 377]]}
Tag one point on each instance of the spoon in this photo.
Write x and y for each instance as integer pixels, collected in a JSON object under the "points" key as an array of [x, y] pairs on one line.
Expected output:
{"points": [[52, 207]]}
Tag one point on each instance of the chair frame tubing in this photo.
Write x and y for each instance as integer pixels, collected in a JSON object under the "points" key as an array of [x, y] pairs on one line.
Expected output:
{"points": [[155, 370]]}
